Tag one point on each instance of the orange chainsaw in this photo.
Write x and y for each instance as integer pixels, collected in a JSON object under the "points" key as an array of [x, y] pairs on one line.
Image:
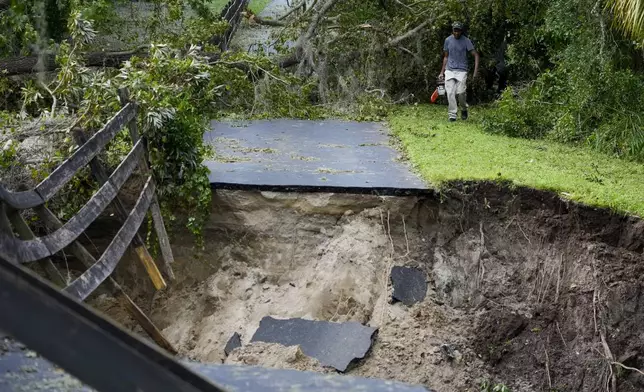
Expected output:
{"points": [[440, 90]]}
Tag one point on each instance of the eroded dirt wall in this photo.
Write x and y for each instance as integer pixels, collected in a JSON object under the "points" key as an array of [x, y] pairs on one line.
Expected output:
{"points": [[525, 289]]}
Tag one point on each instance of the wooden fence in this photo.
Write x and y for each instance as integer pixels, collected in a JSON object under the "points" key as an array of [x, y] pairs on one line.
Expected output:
{"points": [[29, 248], [19, 245]]}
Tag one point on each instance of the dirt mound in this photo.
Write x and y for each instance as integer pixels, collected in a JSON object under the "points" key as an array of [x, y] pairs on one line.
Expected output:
{"points": [[306, 256], [525, 290]]}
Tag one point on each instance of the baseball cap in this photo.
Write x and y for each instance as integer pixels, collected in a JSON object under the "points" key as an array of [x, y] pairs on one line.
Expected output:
{"points": [[457, 26]]}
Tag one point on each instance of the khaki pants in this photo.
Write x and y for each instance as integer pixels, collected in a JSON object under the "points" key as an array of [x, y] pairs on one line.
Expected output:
{"points": [[455, 87]]}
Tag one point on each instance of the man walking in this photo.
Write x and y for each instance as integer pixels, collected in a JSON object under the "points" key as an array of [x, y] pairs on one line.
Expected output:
{"points": [[454, 70]]}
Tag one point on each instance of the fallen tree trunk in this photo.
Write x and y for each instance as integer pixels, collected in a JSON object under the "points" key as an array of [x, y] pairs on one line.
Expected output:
{"points": [[47, 61], [297, 55], [267, 22], [297, 7]]}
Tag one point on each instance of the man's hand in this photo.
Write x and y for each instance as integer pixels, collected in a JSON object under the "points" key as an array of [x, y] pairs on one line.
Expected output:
{"points": [[441, 76]]}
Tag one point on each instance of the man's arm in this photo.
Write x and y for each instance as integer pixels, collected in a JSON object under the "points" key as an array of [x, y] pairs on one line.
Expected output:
{"points": [[442, 74], [476, 62]]}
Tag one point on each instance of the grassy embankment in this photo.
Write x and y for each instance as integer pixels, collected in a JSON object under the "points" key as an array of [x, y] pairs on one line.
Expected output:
{"points": [[442, 152], [256, 5]]}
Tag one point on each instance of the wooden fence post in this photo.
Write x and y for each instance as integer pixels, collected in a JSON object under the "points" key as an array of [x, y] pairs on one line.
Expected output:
{"points": [[100, 175], [20, 245], [157, 218], [84, 256], [13, 218]]}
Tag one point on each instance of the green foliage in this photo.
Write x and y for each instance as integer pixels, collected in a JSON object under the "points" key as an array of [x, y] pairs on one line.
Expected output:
{"points": [[258, 6], [516, 22], [195, 32], [258, 88], [629, 16], [9, 95], [102, 13], [516, 117], [175, 92], [591, 96], [356, 43], [178, 89], [27, 24], [8, 153], [487, 386], [371, 108], [576, 80], [74, 195]]}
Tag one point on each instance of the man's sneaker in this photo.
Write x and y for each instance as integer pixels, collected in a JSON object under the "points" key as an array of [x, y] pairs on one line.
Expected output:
{"points": [[464, 115], [452, 119]]}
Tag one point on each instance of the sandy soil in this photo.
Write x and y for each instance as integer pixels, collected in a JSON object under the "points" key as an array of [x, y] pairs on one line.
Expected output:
{"points": [[525, 289], [274, 356], [285, 256]]}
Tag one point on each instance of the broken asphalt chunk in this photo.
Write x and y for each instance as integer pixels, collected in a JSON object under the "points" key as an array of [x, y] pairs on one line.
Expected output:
{"points": [[333, 344], [233, 343], [410, 285]]}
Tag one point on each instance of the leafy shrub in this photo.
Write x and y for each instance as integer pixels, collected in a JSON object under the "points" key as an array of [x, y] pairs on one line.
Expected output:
{"points": [[594, 93], [517, 117], [603, 112], [487, 386]]}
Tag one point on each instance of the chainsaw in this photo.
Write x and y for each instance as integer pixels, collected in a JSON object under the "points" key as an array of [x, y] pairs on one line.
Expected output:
{"points": [[440, 90]]}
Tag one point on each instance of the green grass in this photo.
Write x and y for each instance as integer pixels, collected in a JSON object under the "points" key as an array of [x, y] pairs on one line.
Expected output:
{"points": [[256, 6], [217, 5], [443, 152]]}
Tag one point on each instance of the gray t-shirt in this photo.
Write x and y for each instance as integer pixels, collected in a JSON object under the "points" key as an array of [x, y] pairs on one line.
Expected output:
{"points": [[457, 50]]}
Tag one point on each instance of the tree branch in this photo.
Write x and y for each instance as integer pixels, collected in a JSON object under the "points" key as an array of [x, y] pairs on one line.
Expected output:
{"points": [[316, 21], [53, 98], [410, 33], [297, 7], [267, 22], [627, 367], [296, 56]]}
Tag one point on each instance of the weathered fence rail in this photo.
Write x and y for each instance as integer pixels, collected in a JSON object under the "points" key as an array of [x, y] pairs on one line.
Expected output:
{"points": [[71, 335], [44, 191], [29, 248]]}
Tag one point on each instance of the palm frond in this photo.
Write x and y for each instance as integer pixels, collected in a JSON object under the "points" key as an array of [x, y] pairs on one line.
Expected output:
{"points": [[629, 15]]}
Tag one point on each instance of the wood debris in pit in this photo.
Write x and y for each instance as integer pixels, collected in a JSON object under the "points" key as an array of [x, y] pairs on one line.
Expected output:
{"points": [[410, 285], [333, 344]]}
